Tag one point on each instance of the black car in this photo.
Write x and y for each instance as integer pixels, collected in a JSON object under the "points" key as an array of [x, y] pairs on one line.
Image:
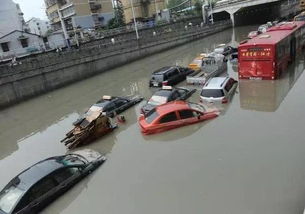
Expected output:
{"points": [[113, 105], [169, 76], [166, 94], [36, 187]]}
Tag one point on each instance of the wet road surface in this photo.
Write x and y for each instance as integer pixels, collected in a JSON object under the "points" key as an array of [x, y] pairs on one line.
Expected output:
{"points": [[249, 160]]}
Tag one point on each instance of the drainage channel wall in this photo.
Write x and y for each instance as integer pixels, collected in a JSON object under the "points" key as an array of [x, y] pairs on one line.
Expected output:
{"points": [[50, 71]]}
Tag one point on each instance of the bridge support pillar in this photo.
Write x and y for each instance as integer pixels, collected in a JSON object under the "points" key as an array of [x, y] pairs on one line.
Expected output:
{"points": [[232, 19], [232, 12]]}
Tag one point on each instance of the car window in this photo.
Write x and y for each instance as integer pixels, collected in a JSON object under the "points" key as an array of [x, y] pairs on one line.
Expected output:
{"points": [[63, 174], [175, 95], [9, 197], [120, 102], [168, 117], [157, 77], [109, 107], [182, 91], [175, 72], [157, 100], [151, 116], [41, 188], [184, 114], [212, 93], [229, 84]]}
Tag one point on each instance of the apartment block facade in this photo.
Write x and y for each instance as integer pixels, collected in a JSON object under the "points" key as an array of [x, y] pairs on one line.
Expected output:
{"points": [[79, 13], [11, 17], [142, 8]]}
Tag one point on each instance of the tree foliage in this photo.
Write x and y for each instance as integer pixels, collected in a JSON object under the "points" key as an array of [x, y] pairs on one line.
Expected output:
{"points": [[119, 18], [198, 6], [174, 3]]}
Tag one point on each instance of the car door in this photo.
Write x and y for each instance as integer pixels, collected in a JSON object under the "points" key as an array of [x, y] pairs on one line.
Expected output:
{"points": [[230, 87], [168, 121], [110, 109], [67, 177], [38, 196], [189, 116], [185, 93], [174, 96], [121, 105]]}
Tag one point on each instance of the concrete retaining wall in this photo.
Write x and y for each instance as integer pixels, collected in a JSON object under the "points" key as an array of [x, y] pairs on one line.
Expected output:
{"points": [[47, 73]]}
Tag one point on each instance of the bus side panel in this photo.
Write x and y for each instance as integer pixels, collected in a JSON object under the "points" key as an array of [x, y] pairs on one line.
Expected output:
{"points": [[256, 62]]}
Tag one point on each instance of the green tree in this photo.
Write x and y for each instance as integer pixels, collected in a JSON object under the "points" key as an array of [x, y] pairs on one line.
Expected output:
{"points": [[198, 7], [174, 3], [119, 18]]}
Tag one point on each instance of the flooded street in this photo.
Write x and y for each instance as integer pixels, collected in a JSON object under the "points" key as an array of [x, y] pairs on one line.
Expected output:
{"points": [[249, 160]]}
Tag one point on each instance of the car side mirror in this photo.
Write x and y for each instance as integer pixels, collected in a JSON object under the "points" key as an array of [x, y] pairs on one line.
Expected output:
{"points": [[141, 117]]}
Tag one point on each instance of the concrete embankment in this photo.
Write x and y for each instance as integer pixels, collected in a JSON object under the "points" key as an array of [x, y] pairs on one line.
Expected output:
{"points": [[50, 71]]}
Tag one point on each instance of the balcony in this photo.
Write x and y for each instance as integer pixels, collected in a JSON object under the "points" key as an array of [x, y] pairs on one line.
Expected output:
{"points": [[94, 7]]}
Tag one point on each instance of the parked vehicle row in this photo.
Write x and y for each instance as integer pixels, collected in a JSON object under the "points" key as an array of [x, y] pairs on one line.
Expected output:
{"points": [[39, 185]]}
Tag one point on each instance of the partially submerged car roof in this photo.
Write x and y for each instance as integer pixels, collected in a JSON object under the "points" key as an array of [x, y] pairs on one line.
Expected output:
{"points": [[215, 83], [164, 70], [38, 171], [174, 105]]}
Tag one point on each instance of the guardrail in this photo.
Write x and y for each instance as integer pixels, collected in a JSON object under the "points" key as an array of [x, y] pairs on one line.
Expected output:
{"points": [[106, 47]]}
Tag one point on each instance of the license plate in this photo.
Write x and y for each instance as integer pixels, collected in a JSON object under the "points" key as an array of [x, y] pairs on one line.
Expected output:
{"points": [[156, 84]]}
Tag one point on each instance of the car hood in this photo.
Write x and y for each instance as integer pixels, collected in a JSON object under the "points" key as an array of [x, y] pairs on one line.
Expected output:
{"points": [[90, 154]]}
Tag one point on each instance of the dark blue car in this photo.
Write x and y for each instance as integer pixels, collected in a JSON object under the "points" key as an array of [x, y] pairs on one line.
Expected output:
{"points": [[36, 187]]}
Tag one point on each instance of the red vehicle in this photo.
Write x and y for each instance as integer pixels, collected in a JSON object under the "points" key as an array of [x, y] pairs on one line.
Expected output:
{"points": [[173, 115], [267, 55]]}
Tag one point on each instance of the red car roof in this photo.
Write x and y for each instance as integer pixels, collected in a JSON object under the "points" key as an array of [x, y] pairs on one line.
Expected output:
{"points": [[172, 106], [275, 34]]}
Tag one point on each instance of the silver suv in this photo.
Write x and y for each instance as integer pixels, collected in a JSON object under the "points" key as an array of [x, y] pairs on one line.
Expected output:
{"points": [[218, 90]]}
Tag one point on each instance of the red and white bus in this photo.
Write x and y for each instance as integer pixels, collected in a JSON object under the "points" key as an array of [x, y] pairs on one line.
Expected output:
{"points": [[267, 55]]}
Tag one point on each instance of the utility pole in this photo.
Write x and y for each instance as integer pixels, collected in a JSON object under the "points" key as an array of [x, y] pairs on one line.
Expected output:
{"points": [[64, 29], [211, 8], [134, 19], [156, 8]]}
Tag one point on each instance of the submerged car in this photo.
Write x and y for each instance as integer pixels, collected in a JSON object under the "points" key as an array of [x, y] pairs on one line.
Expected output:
{"points": [[253, 34], [197, 62], [225, 49], [167, 94], [39, 185], [169, 76], [112, 105], [218, 90], [173, 115]]}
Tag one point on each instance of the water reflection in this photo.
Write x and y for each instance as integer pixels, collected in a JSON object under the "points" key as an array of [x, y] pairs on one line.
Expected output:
{"points": [[268, 95]]}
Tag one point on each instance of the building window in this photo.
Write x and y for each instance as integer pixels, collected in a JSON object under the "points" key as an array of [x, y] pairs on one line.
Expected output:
{"points": [[37, 23], [24, 43], [38, 28], [5, 47]]}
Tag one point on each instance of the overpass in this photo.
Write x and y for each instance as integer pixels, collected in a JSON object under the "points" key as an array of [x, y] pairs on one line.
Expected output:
{"points": [[286, 7]]}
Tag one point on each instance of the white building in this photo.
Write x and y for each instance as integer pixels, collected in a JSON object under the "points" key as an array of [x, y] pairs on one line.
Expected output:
{"points": [[11, 17], [38, 26], [19, 43]]}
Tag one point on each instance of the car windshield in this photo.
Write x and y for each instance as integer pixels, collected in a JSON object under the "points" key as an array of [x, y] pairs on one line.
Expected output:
{"points": [[73, 160], [157, 100], [212, 93], [151, 116], [301, 18], [9, 197], [157, 77]]}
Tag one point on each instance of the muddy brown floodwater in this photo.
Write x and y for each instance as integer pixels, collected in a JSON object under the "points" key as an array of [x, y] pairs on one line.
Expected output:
{"points": [[249, 160]]}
